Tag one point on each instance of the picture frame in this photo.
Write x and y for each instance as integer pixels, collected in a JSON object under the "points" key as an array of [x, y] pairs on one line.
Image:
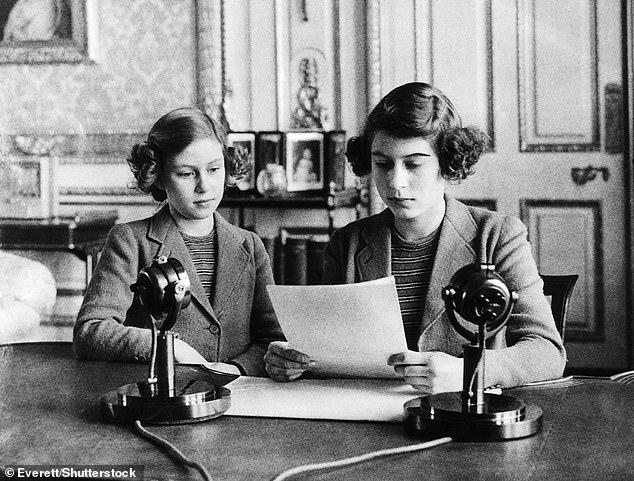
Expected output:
{"points": [[27, 188], [336, 158], [269, 149], [304, 159], [55, 31], [245, 140]]}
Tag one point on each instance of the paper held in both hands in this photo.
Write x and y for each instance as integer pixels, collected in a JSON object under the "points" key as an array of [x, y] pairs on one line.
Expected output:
{"points": [[350, 331]]}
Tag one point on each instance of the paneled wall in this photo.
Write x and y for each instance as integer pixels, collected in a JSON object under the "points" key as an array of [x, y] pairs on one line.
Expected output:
{"points": [[142, 64]]}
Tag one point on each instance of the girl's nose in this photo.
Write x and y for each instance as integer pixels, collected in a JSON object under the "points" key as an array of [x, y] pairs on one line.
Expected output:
{"points": [[398, 179], [203, 183]]}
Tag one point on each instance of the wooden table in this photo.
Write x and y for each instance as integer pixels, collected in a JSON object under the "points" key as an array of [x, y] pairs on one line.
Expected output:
{"points": [[49, 404], [84, 237]]}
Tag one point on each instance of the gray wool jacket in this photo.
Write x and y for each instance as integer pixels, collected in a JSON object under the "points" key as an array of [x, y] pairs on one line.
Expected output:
{"points": [[529, 348], [237, 328]]}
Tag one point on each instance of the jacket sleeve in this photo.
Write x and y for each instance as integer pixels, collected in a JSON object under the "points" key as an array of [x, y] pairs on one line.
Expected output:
{"points": [[535, 350], [264, 325], [99, 332]]}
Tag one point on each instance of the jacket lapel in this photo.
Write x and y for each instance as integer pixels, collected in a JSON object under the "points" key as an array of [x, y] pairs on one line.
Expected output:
{"points": [[373, 260], [454, 252], [232, 258], [163, 231]]}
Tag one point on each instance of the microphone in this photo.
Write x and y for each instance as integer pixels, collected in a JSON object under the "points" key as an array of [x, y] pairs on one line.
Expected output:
{"points": [[163, 290], [481, 297]]}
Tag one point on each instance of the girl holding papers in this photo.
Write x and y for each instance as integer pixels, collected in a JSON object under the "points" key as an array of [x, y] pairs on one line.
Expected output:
{"points": [[413, 143]]}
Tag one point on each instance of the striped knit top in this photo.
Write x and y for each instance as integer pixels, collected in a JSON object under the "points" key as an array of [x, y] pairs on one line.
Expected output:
{"points": [[202, 250], [412, 264]]}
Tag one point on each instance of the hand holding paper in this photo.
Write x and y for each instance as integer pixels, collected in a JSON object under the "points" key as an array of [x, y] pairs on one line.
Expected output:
{"points": [[349, 330], [284, 363]]}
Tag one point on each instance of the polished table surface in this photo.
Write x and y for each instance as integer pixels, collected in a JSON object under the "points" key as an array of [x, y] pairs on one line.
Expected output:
{"points": [[49, 407]]}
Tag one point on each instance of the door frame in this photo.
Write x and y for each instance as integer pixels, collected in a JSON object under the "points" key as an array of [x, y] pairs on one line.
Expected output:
{"points": [[628, 157]]}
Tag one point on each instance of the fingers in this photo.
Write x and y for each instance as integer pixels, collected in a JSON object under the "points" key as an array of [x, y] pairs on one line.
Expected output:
{"points": [[283, 375], [420, 377], [284, 363], [409, 357], [430, 372], [281, 349], [409, 371]]}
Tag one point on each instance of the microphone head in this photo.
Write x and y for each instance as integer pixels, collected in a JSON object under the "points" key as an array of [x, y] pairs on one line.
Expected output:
{"points": [[161, 285], [480, 296]]}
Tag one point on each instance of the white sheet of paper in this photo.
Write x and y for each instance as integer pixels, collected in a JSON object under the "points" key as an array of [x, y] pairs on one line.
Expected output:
{"points": [[349, 330], [378, 400]]}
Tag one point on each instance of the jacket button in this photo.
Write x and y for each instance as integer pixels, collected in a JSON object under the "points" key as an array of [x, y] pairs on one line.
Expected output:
{"points": [[213, 329]]}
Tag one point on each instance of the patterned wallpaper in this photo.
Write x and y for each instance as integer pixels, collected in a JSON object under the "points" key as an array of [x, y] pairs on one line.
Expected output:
{"points": [[145, 66]]}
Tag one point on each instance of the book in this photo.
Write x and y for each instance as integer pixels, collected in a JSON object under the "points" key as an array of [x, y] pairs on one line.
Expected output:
{"points": [[300, 255], [315, 247], [295, 261]]}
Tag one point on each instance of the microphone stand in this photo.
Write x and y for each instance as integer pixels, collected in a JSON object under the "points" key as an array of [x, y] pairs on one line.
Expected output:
{"points": [[167, 397], [482, 298]]}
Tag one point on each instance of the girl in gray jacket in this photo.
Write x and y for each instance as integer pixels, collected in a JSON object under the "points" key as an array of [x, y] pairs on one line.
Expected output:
{"points": [[186, 163], [413, 143]]}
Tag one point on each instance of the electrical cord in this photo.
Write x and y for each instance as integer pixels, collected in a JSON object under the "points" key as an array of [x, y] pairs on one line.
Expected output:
{"points": [[172, 450], [181, 458], [358, 459]]}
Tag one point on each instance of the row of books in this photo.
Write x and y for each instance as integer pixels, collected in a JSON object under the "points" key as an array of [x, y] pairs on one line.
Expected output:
{"points": [[297, 255]]}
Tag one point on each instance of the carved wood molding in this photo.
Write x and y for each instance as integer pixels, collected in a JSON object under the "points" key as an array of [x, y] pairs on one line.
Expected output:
{"points": [[210, 58], [81, 148]]}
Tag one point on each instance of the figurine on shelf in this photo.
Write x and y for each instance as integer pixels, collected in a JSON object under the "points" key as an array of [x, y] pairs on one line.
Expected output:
{"points": [[309, 113]]}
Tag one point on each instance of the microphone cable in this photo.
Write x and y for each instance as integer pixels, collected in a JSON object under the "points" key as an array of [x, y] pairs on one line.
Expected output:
{"points": [[184, 460], [359, 459], [171, 450]]}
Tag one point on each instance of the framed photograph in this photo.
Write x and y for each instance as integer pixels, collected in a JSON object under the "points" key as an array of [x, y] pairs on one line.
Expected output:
{"points": [[45, 31], [305, 161], [26, 188], [245, 142], [336, 158], [269, 149]]}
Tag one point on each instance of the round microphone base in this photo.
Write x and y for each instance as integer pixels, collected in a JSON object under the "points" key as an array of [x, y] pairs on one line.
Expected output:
{"points": [[195, 402], [501, 417]]}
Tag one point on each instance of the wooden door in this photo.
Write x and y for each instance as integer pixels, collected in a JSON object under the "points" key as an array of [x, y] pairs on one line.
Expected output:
{"points": [[545, 79]]}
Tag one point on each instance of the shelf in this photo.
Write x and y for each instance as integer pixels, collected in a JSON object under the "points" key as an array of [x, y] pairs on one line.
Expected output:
{"points": [[344, 198]]}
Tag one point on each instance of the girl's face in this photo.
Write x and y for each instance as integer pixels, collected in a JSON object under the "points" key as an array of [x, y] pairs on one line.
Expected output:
{"points": [[407, 176], [194, 181]]}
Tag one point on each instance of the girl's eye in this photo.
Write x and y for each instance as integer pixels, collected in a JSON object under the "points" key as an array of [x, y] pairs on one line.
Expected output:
{"points": [[382, 164], [213, 169], [185, 174], [414, 164]]}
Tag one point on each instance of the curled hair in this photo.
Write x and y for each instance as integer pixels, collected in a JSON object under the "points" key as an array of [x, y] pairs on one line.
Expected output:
{"points": [[146, 168], [459, 149], [171, 135], [418, 109]]}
